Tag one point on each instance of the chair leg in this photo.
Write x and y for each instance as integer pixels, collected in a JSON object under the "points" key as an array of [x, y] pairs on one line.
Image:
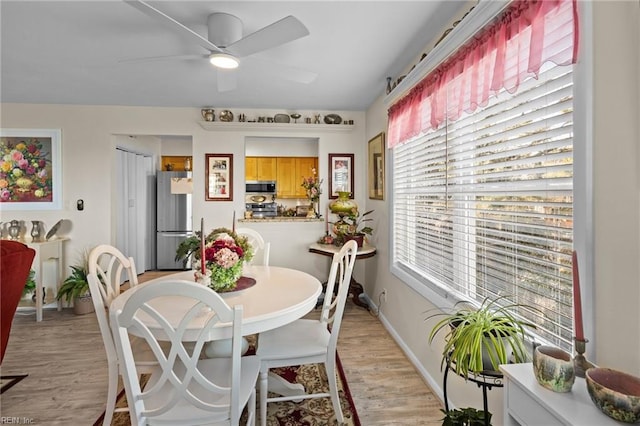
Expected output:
{"points": [[264, 375], [112, 394], [252, 409], [333, 389]]}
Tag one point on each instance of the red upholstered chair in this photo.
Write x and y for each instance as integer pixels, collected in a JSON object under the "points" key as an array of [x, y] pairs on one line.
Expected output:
{"points": [[15, 264]]}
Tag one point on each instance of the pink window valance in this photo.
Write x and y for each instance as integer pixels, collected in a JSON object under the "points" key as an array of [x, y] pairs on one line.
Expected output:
{"points": [[515, 46]]}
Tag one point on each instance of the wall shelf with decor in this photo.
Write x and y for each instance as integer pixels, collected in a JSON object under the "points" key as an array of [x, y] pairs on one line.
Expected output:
{"points": [[221, 126]]}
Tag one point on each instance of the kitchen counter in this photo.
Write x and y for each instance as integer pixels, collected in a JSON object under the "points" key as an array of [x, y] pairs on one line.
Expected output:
{"points": [[281, 219]]}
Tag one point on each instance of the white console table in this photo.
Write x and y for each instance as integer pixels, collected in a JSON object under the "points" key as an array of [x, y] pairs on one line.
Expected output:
{"points": [[527, 403], [47, 251]]}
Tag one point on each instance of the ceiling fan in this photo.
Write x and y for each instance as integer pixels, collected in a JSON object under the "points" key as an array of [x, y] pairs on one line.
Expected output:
{"points": [[226, 45]]}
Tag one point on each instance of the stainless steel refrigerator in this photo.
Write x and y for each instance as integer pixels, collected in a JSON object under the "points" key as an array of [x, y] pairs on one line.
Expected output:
{"points": [[174, 216]]}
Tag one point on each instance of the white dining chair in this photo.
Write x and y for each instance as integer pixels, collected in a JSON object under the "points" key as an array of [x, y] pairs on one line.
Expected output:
{"points": [[184, 389], [108, 269], [307, 341], [261, 247]]}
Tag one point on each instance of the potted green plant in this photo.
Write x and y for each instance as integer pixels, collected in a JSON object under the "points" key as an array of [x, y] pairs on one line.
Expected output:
{"points": [[351, 227], [30, 286], [466, 417], [76, 288], [481, 338]]}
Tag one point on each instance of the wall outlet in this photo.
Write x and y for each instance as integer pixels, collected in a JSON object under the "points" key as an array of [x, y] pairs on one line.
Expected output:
{"points": [[383, 295]]}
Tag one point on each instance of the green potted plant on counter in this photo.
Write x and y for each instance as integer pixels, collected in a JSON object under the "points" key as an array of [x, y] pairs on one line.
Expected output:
{"points": [[481, 338], [76, 288]]}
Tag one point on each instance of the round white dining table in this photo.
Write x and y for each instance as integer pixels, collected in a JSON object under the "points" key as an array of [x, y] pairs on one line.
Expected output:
{"points": [[278, 297]]}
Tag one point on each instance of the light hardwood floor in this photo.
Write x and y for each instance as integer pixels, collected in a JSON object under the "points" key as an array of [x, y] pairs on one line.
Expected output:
{"points": [[67, 384]]}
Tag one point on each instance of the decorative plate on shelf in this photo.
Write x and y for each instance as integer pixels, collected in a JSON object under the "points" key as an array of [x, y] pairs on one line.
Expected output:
{"points": [[281, 118], [226, 116], [332, 119], [54, 229]]}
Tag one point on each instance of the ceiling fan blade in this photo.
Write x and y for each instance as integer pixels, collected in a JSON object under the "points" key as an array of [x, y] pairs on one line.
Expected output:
{"points": [[280, 32], [176, 26], [227, 80], [163, 58]]}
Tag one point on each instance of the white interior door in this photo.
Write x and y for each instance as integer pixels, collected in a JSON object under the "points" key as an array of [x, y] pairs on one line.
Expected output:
{"points": [[135, 208]]}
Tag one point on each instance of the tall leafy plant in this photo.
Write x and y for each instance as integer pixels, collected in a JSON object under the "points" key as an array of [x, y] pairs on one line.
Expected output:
{"points": [[490, 329]]}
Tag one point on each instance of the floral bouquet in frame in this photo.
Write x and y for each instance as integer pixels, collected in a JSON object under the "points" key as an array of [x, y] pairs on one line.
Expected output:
{"points": [[225, 253]]}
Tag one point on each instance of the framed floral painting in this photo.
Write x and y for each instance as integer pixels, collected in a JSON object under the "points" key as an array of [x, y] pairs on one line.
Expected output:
{"points": [[218, 177], [30, 169]]}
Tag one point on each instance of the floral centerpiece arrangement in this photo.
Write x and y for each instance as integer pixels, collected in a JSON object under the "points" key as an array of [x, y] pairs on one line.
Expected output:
{"points": [[313, 186], [25, 171], [225, 253]]}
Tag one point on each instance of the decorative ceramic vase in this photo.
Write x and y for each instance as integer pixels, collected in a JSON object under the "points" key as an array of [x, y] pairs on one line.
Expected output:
{"points": [[553, 368], [14, 230], [615, 393], [208, 114], [36, 234], [343, 204]]}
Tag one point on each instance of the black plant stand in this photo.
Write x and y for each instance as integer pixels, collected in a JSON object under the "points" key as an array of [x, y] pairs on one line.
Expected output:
{"points": [[484, 379]]}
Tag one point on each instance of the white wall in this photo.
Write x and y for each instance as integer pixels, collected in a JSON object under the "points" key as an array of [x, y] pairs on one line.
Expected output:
{"points": [[91, 133], [614, 303]]}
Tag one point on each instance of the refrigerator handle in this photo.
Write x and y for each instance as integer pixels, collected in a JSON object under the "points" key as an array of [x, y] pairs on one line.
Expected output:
{"points": [[175, 234]]}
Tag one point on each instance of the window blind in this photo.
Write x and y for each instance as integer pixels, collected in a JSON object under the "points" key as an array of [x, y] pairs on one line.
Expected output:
{"points": [[483, 206]]}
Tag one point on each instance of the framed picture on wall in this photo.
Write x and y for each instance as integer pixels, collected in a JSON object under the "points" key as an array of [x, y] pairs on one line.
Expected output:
{"points": [[376, 167], [340, 174], [218, 177], [30, 169]]}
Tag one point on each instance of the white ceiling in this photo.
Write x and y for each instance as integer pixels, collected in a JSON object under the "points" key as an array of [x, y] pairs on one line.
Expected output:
{"points": [[70, 52]]}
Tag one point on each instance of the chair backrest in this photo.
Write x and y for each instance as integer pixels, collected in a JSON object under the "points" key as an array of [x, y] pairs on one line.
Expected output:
{"points": [[15, 264], [183, 387], [333, 305], [260, 247], [108, 268]]}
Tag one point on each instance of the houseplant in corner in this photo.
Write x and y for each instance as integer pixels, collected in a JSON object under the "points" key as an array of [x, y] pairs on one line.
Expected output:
{"points": [[480, 339], [76, 288], [351, 227]]}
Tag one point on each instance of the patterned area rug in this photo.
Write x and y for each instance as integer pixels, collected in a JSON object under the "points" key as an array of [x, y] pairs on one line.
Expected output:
{"points": [[310, 412]]}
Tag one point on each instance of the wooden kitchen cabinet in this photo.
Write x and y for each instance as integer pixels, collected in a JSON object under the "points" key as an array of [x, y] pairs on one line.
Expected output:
{"points": [[290, 172], [260, 168]]}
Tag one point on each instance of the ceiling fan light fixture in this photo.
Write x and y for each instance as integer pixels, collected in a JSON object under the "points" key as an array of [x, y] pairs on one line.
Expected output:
{"points": [[224, 60]]}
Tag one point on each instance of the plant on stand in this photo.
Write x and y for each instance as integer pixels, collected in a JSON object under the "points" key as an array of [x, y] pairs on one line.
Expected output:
{"points": [[313, 186], [481, 338], [351, 226], [477, 341], [76, 287]]}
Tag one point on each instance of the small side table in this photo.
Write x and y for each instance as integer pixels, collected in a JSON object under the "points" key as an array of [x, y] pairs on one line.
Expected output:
{"points": [[364, 252], [47, 251]]}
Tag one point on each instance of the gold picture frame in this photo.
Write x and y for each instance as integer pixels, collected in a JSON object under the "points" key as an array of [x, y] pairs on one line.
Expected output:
{"points": [[218, 177], [376, 167]]}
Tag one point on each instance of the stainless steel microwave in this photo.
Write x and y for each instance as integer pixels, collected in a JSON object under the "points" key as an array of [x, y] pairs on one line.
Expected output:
{"points": [[260, 186]]}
